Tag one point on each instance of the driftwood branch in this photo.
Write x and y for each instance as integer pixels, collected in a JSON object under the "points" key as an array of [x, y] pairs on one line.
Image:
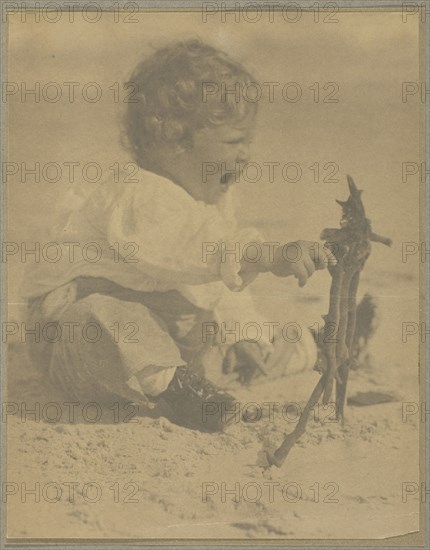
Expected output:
{"points": [[351, 246]]}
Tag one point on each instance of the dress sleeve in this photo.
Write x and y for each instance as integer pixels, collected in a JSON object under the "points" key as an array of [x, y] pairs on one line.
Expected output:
{"points": [[176, 239]]}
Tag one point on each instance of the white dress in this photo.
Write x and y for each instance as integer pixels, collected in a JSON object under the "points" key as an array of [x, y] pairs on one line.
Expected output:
{"points": [[150, 236]]}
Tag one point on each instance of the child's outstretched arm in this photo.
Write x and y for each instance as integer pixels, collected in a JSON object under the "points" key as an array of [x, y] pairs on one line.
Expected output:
{"points": [[299, 258]]}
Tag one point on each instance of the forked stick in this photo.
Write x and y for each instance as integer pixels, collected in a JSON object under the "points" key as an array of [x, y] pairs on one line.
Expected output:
{"points": [[349, 338], [351, 246]]}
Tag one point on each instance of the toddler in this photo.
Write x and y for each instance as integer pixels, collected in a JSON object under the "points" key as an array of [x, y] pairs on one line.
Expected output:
{"points": [[151, 315]]}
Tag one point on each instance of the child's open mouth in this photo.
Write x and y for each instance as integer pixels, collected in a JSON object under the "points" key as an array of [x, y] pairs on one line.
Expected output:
{"points": [[229, 178]]}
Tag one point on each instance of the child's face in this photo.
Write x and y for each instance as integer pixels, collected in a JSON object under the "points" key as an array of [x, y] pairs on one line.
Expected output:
{"points": [[216, 160]]}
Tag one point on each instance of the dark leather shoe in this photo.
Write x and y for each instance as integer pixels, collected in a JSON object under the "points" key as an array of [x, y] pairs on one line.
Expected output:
{"points": [[197, 403]]}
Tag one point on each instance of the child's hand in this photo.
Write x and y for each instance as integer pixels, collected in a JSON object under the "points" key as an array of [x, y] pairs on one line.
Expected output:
{"points": [[245, 358], [301, 259]]}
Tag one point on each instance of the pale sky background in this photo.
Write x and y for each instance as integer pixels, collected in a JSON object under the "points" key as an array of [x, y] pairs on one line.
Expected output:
{"points": [[369, 133]]}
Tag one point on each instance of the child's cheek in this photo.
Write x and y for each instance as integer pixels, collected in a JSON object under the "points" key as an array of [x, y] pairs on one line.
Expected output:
{"points": [[230, 155]]}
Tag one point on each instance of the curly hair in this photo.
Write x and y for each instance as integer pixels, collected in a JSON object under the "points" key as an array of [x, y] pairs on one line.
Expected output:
{"points": [[170, 104]]}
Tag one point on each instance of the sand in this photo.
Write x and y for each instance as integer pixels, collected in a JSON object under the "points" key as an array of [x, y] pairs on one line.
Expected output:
{"points": [[150, 478]]}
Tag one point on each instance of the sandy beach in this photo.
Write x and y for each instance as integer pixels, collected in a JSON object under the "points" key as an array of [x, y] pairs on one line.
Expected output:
{"points": [[148, 478]]}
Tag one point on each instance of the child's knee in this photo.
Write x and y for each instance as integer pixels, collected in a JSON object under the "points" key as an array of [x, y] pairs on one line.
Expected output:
{"points": [[85, 361]]}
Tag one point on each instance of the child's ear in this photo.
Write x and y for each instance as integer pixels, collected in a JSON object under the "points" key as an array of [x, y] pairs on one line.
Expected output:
{"points": [[179, 150]]}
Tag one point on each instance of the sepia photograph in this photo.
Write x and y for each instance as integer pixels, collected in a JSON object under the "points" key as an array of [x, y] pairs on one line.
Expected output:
{"points": [[215, 273]]}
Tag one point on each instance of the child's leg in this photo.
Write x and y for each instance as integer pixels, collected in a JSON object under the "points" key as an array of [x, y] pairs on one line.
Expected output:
{"points": [[89, 370], [116, 366]]}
